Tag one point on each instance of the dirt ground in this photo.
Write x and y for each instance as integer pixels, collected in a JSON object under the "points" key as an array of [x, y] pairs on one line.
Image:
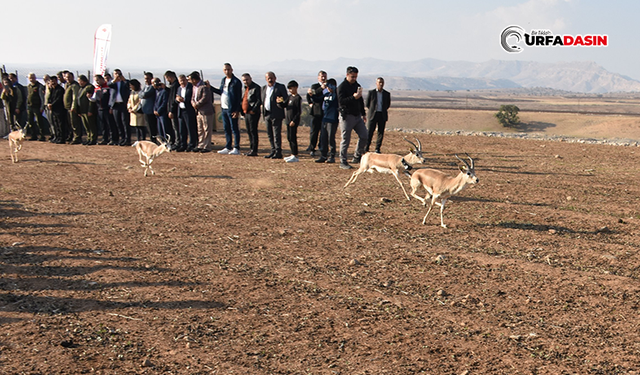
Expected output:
{"points": [[225, 264]]}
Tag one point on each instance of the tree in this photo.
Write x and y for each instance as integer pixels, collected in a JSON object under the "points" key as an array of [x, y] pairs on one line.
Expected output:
{"points": [[508, 115]]}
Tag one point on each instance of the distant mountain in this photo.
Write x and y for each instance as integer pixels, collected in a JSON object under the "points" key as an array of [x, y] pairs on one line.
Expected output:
{"points": [[433, 74]]}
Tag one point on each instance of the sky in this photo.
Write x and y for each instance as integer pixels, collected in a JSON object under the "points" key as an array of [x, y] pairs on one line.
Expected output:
{"points": [[193, 34]]}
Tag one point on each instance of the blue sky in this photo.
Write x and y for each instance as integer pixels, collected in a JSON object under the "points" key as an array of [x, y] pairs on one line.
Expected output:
{"points": [[204, 34]]}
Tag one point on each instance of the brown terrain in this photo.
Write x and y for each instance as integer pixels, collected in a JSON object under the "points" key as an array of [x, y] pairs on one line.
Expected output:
{"points": [[225, 264]]}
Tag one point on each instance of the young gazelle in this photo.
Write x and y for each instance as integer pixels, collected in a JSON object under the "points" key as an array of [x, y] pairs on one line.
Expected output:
{"points": [[147, 151], [15, 142], [442, 186], [389, 163]]}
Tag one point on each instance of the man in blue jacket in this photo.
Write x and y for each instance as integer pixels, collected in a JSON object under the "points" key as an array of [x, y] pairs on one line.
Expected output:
{"points": [[230, 92], [160, 108]]}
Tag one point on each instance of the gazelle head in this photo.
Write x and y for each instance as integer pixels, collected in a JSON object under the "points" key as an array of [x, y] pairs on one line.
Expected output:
{"points": [[165, 144], [468, 171], [415, 155]]}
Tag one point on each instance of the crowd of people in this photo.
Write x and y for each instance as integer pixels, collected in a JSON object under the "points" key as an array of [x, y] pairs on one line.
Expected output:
{"points": [[181, 111]]}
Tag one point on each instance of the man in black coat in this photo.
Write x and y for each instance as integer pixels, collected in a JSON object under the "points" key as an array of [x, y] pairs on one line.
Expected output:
{"points": [[378, 103], [172, 108], [58, 112], [274, 97], [315, 98], [351, 107], [251, 102]]}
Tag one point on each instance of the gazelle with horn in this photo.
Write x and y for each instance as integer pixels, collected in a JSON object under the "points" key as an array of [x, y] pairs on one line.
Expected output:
{"points": [[15, 142], [389, 163], [147, 151], [441, 186]]}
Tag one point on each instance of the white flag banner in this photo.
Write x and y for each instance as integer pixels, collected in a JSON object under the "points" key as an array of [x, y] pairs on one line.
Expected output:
{"points": [[101, 43]]}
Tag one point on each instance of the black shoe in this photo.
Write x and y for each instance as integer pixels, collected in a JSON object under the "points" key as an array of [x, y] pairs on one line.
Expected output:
{"points": [[378, 152], [270, 156], [356, 160], [52, 140], [76, 141], [42, 139], [112, 143], [180, 149], [312, 153], [345, 165], [104, 142], [59, 142], [277, 156], [331, 160], [84, 143], [322, 159], [251, 153], [204, 151], [33, 139]]}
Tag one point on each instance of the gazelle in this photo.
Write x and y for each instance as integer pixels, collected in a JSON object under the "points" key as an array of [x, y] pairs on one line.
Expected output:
{"points": [[389, 163], [147, 151], [15, 142], [442, 186]]}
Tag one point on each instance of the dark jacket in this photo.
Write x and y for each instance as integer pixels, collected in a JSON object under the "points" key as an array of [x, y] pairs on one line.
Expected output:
{"points": [[56, 99], [316, 100], [372, 104], [254, 98], [277, 109], [235, 93], [172, 105], [103, 98], [160, 105], [23, 90], [348, 104], [294, 109], [125, 92], [188, 95]]}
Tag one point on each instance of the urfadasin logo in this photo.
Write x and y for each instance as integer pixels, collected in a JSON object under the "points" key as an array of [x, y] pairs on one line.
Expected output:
{"points": [[546, 38], [516, 32]]}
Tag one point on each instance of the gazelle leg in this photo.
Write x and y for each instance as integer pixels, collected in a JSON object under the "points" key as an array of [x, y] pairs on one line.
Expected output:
{"points": [[413, 193], [441, 211], [353, 178], [402, 186], [433, 199]]}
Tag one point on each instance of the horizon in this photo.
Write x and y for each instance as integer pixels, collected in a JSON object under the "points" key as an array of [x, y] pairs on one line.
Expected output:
{"points": [[316, 30]]}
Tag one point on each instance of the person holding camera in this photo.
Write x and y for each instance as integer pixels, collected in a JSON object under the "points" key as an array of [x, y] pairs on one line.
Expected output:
{"points": [[352, 115]]}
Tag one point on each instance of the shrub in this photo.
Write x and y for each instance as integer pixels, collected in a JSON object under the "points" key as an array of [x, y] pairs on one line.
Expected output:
{"points": [[508, 115]]}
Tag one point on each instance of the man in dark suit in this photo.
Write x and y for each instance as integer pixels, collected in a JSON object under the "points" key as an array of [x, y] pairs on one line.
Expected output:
{"points": [[251, 102], [315, 98], [186, 116], [378, 103], [119, 99], [172, 107], [274, 97]]}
